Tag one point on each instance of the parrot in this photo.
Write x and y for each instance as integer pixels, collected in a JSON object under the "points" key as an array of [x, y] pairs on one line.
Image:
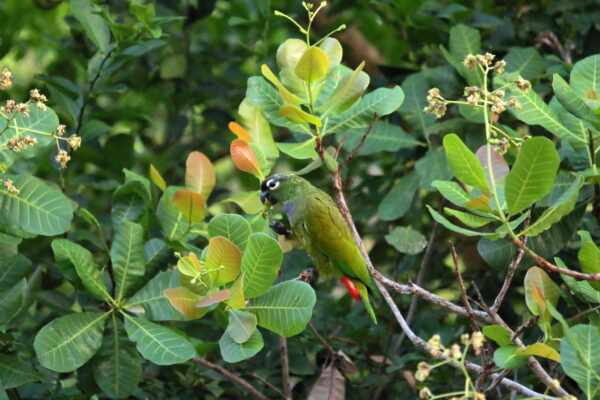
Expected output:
{"points": [[318, 227]]}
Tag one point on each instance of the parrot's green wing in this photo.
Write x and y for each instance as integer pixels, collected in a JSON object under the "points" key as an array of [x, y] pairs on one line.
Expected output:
{"points": [[329, 233]]}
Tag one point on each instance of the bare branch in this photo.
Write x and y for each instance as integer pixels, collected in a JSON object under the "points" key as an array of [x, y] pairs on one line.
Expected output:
{"points": [[360, 144], [542, 262], [509, 275], [285, 368], [231, 376], [463, 292]]}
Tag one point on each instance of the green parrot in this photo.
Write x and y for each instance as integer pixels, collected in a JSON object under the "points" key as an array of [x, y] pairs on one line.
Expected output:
{"points": [[319, 228]]}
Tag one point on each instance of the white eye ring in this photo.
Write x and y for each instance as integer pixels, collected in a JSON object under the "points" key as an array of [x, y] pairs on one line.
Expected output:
{"points": [[273, 184]]}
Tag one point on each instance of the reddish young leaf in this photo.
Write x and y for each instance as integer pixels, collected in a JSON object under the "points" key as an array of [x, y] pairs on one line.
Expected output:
{"points": [[184, 301], [239, 131], [213, 298], [244, 158], [499, 165], [199, 174]]}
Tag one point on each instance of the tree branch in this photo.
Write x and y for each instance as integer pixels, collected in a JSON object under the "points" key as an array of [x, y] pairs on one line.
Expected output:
{"points": [[231, 376], [509, 275], [542, 262], [285, 368]]}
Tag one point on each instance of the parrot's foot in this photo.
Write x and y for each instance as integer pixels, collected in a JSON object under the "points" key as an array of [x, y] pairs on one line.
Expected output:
{"points": [[351, 288], [280, 229], [310, 276]]}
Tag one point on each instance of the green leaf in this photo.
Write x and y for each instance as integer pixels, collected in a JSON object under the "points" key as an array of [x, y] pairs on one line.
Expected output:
{"points": [[464, 40], [151, 301], [579, 358], [432, 167], [249, 202], [10, 301], [233, 352], [285, 94], [157, 343], [412, 108], [94, 26], [118, 366], [266, 98], [130, 202], [12, 270], [498, 334], [464, 164], [14, 372], [231, 226], [534, 111], [241, 325], [585, 80], [68, 342], [406, 240], [526, 61], [298, 116], [223, 261], [285, 309], [449, 225], [127, 256], [452, 191], [589, 260], [82, 261], [300, 151], [533, 174], [260, 264], [156, 254], [258, 128], [173, 223], [382, 101], [508, 357], [470, 220], [540, 350], [399, 199], [347, 91], [561, 207], [539, 289], [37, 208], [571, 100], [312, 65], [383, 137]]}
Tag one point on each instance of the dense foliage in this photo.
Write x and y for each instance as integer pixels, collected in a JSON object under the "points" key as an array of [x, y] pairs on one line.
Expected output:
{"points": [[460, 139]]}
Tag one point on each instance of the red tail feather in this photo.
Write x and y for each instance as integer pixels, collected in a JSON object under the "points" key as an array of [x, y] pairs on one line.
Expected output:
{"points": [[351, 288]]}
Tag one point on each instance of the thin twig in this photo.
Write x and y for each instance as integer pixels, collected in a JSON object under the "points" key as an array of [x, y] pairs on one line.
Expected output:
{"points": [[231, 376], [321, 339], [508, 279], [542, 262], [463, 292], [268, 384], [285, 368], [360, 144]]}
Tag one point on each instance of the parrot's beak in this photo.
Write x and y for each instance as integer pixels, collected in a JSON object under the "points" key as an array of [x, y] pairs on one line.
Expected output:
{"points": [[265, 198]]}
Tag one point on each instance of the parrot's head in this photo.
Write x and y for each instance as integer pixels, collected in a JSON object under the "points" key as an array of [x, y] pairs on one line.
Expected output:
{"points": [[282, 187]]}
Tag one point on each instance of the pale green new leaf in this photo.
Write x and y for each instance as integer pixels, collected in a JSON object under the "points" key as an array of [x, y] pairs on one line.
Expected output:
{"points": [[157, 343], [589, 260], [301, 151], [150, 301], [464, 164], [127, 256], [37, 208], [449, 225], [453, 192], [285, 309], [470, 220], [68, 342], [233, 352], [570, 100], [585, 80], [533, 174], [260, 263]]}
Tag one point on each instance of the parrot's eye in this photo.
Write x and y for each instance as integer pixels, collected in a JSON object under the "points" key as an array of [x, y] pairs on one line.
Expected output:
{"points": [[272, 185]]}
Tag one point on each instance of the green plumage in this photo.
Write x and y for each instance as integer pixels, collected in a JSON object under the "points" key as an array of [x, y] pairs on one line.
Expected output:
{"points": [[320, 229]]}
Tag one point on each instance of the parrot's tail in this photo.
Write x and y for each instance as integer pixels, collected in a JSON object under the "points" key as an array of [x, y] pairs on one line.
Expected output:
{"points": [[364, 295]]}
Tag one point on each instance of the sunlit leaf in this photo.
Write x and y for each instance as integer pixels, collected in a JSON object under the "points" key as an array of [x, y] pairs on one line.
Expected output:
{"points": [[245, 158], [297, 115], [231, 226], [301, 151], [285, 94], [199, 174], [260, 263], [540, 350], [184, 301], [157, 178], [464, 164], [313, 64], [539, 289], [223, 260], [589, 260], [190, 205]]}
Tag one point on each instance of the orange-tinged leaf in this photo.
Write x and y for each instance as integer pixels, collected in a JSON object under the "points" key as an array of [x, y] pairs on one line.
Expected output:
{"points": [[223, 260], [189, 266], [157, 178], [480, 203], [244, 158], [184, 301], [199, 174], [539, 289], [190, 204], [239, 131], [213, 298]]}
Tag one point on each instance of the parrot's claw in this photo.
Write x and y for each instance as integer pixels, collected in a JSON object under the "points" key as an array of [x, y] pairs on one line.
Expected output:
{"points": [[280, 229], [310, 276]]}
